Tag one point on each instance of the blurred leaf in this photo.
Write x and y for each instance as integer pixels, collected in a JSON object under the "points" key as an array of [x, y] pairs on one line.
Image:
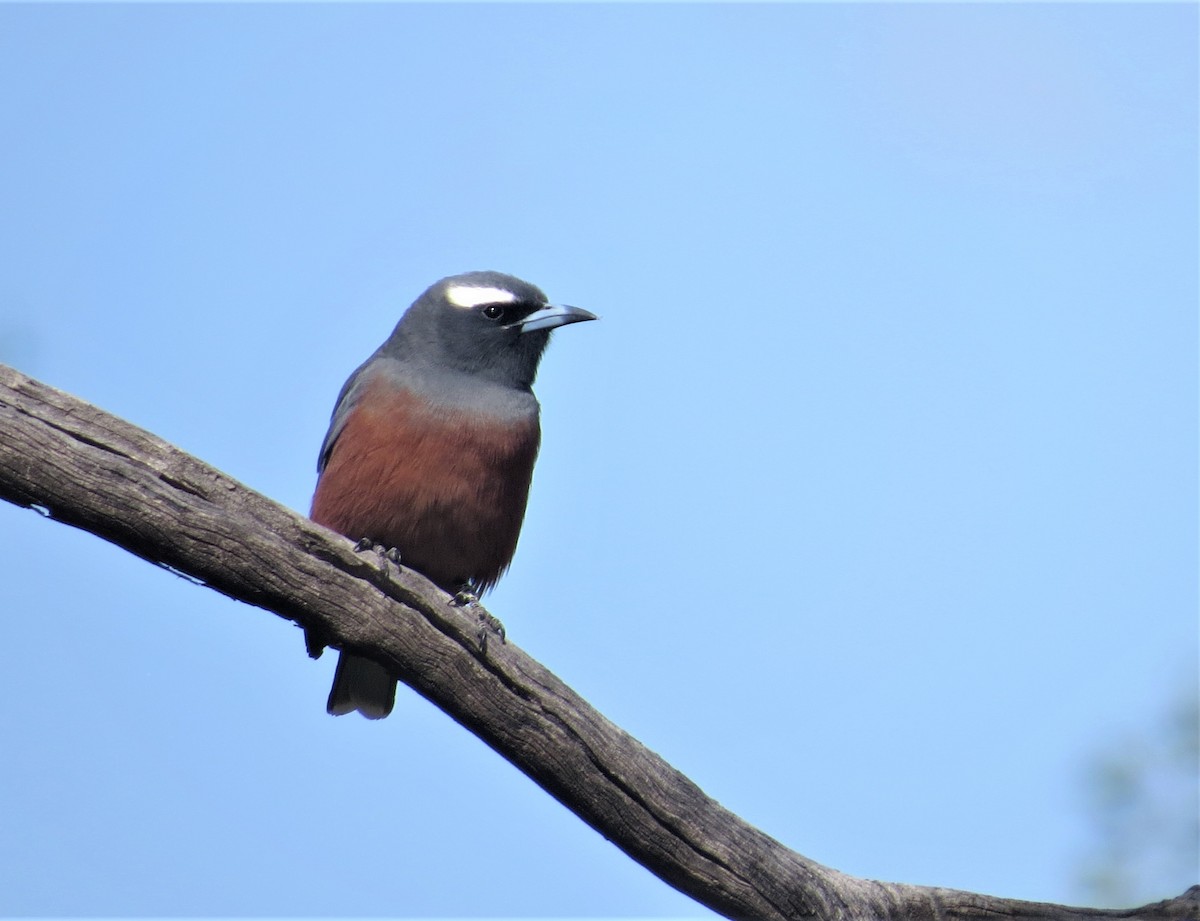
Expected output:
{"points": [[1144, 805]]}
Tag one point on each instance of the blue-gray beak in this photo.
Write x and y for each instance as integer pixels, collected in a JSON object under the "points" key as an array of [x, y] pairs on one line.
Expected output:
{"points": [[552, 316]]}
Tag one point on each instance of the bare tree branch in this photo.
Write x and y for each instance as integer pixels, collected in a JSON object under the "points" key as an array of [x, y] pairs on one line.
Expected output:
{"points": [[92, 470]]}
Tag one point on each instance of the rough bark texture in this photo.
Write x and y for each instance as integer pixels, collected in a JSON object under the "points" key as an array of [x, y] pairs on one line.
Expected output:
{"points": [[89, 469]]}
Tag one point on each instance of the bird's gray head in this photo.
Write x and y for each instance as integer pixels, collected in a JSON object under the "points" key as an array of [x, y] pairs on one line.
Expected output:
{"points": [[480, 323]]}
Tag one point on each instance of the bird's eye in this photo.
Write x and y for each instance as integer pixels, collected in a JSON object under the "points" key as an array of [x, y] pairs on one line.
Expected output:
{"points": [[493, 311]]}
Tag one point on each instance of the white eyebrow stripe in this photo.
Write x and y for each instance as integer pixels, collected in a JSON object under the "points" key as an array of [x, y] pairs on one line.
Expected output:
{"points": [[467, 296]]}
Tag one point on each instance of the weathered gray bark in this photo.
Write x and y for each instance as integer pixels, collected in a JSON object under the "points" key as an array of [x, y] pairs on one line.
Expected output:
{"points": [[89, 469]]}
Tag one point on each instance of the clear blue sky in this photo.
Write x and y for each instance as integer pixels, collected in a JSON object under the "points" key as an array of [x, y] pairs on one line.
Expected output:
{"points": [[870, 503]]}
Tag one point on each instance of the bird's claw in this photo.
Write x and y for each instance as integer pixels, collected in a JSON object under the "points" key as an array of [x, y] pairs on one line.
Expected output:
{"points": [[487, 625], [386, 554]]}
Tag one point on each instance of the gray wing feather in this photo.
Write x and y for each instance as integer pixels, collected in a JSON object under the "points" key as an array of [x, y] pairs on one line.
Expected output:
{"points": [[346, 401]]}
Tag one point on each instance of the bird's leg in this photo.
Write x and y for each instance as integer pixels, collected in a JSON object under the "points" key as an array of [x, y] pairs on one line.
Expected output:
{"points": [[467, 595]]}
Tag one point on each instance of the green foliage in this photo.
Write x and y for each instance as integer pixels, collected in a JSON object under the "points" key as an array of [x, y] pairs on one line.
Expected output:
{"points": [[1144, 806]]}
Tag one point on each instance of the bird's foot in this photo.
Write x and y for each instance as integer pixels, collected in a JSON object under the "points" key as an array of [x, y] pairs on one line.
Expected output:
{"points": [[386, 554], [486, 625]]}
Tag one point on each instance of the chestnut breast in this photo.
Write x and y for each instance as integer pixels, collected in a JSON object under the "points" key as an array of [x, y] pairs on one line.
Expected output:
{"points": [[442, 483]]}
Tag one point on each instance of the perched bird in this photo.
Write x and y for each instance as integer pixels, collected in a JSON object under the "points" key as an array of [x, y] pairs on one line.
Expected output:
{"points": [[431, 446]]}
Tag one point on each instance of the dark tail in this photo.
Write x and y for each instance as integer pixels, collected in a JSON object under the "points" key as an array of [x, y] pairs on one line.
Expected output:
{"points": [[362, 685]]}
